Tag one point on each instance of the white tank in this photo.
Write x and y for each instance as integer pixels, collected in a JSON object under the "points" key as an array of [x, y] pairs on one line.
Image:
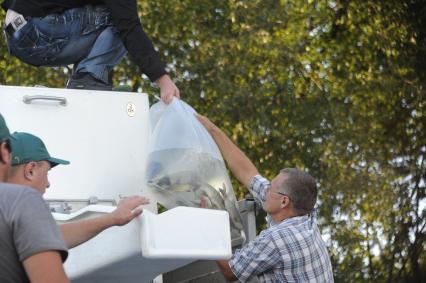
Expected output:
{"points": [[105, 135]]}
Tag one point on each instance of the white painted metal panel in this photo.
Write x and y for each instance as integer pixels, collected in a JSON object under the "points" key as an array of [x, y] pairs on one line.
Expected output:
{"points": [[107, 147], [115, 256]]}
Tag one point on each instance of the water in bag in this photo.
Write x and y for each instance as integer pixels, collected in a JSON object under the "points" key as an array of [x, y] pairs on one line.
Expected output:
{"points": [[184, 173]]}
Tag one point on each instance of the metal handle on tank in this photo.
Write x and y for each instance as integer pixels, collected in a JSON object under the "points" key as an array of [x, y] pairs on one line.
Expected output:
{"points": [[28, 99]]}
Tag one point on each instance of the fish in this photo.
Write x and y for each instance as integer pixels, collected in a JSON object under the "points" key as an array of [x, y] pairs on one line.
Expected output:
{"points": [[231, 207], [188, 187]]}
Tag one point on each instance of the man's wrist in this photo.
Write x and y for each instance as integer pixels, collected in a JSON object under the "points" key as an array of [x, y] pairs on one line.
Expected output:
{"points": [[111, 219], [162, 80]]}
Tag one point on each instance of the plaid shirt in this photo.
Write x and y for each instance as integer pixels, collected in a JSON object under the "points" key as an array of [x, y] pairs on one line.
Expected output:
{"points": [[289, 251]]}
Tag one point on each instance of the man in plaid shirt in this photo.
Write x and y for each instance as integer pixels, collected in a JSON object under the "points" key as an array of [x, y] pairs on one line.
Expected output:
{"points": [[291, 248]]}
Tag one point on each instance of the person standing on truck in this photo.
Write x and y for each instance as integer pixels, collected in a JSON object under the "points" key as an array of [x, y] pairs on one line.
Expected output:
{"points": [[291, 248], [94, 35], [31, 163], [31, 246]]}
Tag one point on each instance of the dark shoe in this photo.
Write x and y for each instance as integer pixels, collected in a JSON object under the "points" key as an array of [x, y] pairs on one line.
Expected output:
{"points": [[122, 88], [87, 81]]}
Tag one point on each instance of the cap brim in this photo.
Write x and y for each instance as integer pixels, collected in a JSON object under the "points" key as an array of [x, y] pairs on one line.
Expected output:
{"points": [[56, 161]]}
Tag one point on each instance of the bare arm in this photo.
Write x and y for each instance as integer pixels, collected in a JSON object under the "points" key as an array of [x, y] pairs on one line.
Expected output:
{"points": [[226, 270], [78, 232], [45, 267], [240, 165]]}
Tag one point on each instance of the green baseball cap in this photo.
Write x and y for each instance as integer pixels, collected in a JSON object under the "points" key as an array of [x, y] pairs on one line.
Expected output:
{"points": [[4, 131], [27, 147]]}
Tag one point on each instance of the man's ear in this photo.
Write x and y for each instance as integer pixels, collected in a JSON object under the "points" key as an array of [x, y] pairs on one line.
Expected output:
{"points": [[285, 202], [29, 170], [4, 153]]}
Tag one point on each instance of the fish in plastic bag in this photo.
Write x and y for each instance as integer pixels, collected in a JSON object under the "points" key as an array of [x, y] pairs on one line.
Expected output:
{"points": [[185, 167]]}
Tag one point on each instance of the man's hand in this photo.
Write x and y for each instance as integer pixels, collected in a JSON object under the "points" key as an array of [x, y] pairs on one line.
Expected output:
{"points": [[127, 209], [204, 202], [206, 123], [168, 89]]}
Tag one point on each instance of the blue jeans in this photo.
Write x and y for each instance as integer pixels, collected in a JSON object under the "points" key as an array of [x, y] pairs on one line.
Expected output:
{"points": [[82, 36]]}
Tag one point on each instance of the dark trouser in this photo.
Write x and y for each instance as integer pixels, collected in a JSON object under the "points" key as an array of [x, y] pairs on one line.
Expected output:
{"points": [[80, 36]]}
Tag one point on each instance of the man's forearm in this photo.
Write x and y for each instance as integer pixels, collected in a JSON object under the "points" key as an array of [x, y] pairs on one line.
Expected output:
{"points": [[125, 18], [76, 233], [79, 232], [239, 164]]}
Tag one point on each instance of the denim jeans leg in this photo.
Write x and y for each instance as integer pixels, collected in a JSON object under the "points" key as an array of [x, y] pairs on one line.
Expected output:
{"points": [[41, 40], [81, 36], [58, 39], [106, 52]]}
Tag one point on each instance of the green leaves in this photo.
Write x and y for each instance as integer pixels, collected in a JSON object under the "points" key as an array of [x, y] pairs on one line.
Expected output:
{"points": [[334, 87]]}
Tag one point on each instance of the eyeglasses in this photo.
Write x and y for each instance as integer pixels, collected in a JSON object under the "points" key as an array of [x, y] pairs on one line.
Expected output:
{"points": [[280, 193]]}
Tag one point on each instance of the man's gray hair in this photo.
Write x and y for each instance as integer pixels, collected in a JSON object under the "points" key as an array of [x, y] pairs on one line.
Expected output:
{"points": [[301, 188]]}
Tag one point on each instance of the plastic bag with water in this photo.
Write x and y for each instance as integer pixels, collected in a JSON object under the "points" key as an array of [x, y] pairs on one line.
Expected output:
{"points": [[185, 167]]}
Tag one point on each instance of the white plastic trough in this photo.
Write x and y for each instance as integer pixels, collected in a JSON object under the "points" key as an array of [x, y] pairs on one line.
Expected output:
{"points": [[187, 233]]}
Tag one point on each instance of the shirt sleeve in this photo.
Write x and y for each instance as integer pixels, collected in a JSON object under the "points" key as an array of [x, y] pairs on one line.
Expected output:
{"points": [[256, 257], [33, 227], [125, 18], [259, 187]]}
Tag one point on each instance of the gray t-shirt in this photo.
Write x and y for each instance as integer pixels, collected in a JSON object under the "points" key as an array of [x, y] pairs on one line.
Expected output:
{"points": [[26, 228]]}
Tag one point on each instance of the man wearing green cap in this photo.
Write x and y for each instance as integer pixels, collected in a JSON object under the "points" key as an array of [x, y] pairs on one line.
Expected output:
{"points": [[31, 246], [31, 163]]}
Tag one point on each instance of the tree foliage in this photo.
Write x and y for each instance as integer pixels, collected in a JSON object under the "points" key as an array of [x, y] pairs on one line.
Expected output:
{"points": [[334, 87]]}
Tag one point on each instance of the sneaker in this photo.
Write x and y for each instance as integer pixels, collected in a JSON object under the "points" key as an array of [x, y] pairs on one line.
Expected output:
{"points": [[87, 81]]}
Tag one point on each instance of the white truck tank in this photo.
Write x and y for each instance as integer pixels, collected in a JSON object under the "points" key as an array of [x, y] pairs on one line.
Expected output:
{"points": [[105, 135]]}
